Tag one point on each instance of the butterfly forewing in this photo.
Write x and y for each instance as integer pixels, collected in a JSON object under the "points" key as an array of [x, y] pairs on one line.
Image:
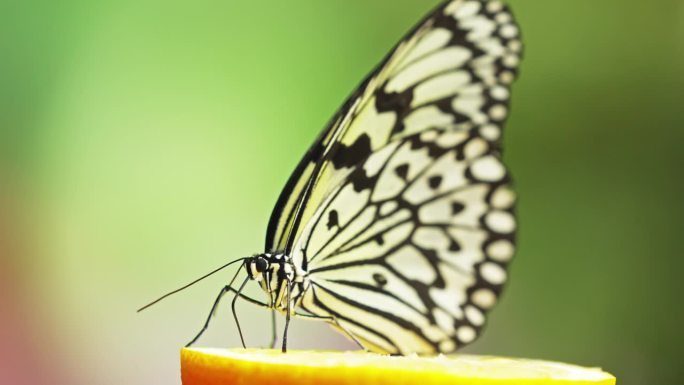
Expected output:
{"points": [[401, 212]]}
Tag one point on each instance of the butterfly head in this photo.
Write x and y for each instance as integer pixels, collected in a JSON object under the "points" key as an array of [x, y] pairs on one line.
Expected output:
{"points": [[270, 270], [257, 265]]}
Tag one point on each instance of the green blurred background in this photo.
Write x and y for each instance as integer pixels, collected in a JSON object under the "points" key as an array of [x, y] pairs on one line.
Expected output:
{"points": [[143, 143]]}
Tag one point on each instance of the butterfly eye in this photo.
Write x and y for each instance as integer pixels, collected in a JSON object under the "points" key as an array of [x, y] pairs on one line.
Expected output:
{"points": [[261, 264]]}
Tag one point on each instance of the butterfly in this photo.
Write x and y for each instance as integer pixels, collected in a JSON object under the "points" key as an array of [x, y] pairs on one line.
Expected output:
{"points": [[398, 224]]}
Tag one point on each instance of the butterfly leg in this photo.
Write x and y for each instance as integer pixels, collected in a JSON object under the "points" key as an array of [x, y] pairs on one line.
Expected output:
{"points": [[274, 332], [287, 316], [249, 299], [223, 291], [334, 321], [232, 306], [211, 314]]}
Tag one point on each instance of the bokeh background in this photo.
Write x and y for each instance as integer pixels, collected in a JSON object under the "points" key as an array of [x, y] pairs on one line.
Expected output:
{"points": [[144, 143]]}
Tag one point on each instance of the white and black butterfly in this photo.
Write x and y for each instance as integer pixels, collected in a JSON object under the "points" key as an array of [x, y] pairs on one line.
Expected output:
{"points": [[398, 224]]}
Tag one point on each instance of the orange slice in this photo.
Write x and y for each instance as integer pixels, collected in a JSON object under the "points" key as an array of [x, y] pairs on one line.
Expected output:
{"points": [[205, 366]]}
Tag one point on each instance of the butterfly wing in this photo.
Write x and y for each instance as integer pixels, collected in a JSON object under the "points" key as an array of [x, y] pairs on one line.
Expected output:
{"points": [[414, 87], [401, 211], [410, 252]]}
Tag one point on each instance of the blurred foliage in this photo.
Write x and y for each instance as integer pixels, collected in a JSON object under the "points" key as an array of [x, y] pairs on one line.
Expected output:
{"points": [[143, 143]]}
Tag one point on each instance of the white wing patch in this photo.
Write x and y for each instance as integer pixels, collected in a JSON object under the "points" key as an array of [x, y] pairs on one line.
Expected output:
{"points": [[426, 67]]}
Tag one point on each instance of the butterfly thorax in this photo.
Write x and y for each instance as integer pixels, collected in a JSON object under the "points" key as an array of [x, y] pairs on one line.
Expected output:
{"points": [[276, 274]]}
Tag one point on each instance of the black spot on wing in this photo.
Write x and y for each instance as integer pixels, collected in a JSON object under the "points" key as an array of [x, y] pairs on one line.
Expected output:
{"points": [[361, 181], [454, 246], [380, 279], [434, 182], [393, 101], [397, 102], [457, 207], [349, 156], [402, 171], [333, 219]]}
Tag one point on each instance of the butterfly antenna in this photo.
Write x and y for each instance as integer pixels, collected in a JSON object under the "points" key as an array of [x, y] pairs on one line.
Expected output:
{"points": [[189, 284]]}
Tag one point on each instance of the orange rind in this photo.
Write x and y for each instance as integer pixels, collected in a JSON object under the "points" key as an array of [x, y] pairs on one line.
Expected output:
{"points": [[207, 366]]}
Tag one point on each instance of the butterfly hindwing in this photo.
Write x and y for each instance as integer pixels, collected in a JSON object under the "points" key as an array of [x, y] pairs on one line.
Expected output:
{"points": [[405, 255], [401, 211]]}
